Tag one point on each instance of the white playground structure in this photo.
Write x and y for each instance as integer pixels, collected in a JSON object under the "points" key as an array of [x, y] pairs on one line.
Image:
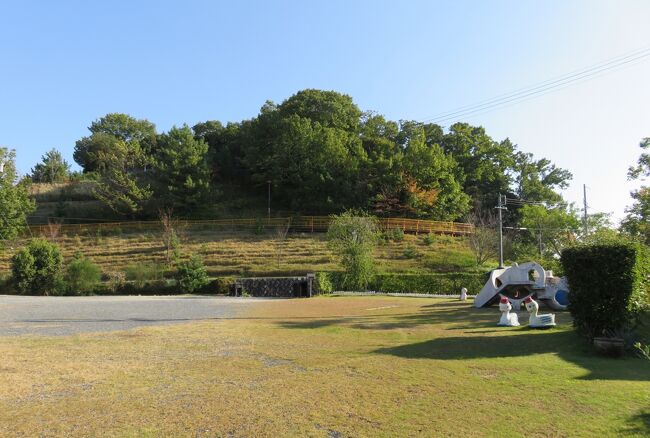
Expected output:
{"points": [[518, 282]]}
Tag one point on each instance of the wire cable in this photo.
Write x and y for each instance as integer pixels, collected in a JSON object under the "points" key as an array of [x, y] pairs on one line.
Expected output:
{"points": [[542, 88]]}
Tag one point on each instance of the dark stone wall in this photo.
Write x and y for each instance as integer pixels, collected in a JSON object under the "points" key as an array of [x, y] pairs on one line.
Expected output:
{"points": [[275, 286]]}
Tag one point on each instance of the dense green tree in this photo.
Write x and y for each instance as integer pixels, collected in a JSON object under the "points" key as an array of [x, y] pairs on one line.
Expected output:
{"points": [[15, 203], [116, 140], [122, 192], [434, 191], [484, 165], [225, 152], [539, 180], [119, 149], [181, 174], [637, 220], [330, 109], [52, 169], [312, 164]]}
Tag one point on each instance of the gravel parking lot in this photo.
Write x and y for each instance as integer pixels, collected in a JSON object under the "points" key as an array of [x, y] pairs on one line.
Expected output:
{"points": [[55, 316]]}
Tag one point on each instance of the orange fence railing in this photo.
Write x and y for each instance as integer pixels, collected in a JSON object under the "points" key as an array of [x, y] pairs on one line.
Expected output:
{"points": [[310, 224]]}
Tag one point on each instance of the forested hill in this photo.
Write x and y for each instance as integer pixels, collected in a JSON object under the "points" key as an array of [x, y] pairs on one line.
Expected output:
{"points": [[318, 151]]}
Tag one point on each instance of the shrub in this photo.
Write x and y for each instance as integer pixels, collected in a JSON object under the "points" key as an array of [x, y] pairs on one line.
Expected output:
{"points": [[36, 269], [434, 284], [259, 227], [411, 252], [192, 275], [394, 234], [323, 283], [147, 287], [220, 286], [429, 239], [114, 280], [5, 283], [608, 284], [82, 275], [353, 236], [139, 273]]}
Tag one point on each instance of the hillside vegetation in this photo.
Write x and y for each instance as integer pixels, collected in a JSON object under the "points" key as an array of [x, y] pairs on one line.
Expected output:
{"points": [[243, 252]]}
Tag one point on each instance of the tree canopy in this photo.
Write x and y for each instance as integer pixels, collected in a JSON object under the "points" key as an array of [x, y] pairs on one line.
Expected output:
{"points": [[52, 169], [637, 220], [15, 204], [321, 154]]}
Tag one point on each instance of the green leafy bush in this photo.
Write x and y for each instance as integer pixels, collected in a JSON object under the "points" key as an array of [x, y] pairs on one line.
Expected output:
{"points": [[192, 275], [608, 284], [353, 236], [322, 283], [411, 252], [393, 234], [429, 239], [437, 284], [82, 275], [434, 284], [36, 269], [140, 273]]}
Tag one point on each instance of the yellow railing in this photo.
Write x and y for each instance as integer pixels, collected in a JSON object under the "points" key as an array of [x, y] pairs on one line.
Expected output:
{"points": [[311, 224]]}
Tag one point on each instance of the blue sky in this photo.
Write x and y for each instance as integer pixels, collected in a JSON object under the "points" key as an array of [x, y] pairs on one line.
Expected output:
{"points": [[64, 64]]}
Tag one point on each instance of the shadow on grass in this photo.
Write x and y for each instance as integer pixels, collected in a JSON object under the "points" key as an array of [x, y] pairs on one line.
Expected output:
{"points": [[482, 339], [441, 313], [638, 425], [564, 343]]}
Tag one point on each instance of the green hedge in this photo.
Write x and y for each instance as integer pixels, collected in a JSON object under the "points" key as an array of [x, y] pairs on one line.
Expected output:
{"points": [[608, 284], [216, 286], [434, 284]]}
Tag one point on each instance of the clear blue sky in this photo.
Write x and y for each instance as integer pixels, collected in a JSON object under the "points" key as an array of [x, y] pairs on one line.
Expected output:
{"points": [[65, 63]]}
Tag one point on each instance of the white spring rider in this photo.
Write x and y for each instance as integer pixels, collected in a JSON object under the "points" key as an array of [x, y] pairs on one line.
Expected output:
{"points": [[507, 319], [538, 321]]}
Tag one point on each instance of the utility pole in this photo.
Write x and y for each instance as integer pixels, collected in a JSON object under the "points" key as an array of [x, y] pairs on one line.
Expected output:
{"points": [[269, 208], [540, 243], [584, 199], [501, 206]]}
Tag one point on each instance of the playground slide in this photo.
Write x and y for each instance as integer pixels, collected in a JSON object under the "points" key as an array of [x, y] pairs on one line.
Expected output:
{"points": [[518, 282]]}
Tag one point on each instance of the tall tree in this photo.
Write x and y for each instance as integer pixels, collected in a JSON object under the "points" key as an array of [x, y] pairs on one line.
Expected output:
{"points": [[52, 168], [225, 153], [637, 220], [436, 194], [308, 147], [484, 165], [539, 180], [181, 174], [116, 131], [120, 150], [328, 108], [15, 203]]}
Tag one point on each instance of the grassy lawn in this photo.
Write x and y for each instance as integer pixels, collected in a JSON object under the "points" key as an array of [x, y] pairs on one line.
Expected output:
{"points": [[328, 367]]}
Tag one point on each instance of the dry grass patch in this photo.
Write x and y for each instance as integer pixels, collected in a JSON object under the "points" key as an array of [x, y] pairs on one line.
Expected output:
{"points": [[353, 366], [228, 252]]}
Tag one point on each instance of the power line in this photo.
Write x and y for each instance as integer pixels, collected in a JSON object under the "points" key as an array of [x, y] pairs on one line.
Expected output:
{"points": [[539, 84], [542, 88]]}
